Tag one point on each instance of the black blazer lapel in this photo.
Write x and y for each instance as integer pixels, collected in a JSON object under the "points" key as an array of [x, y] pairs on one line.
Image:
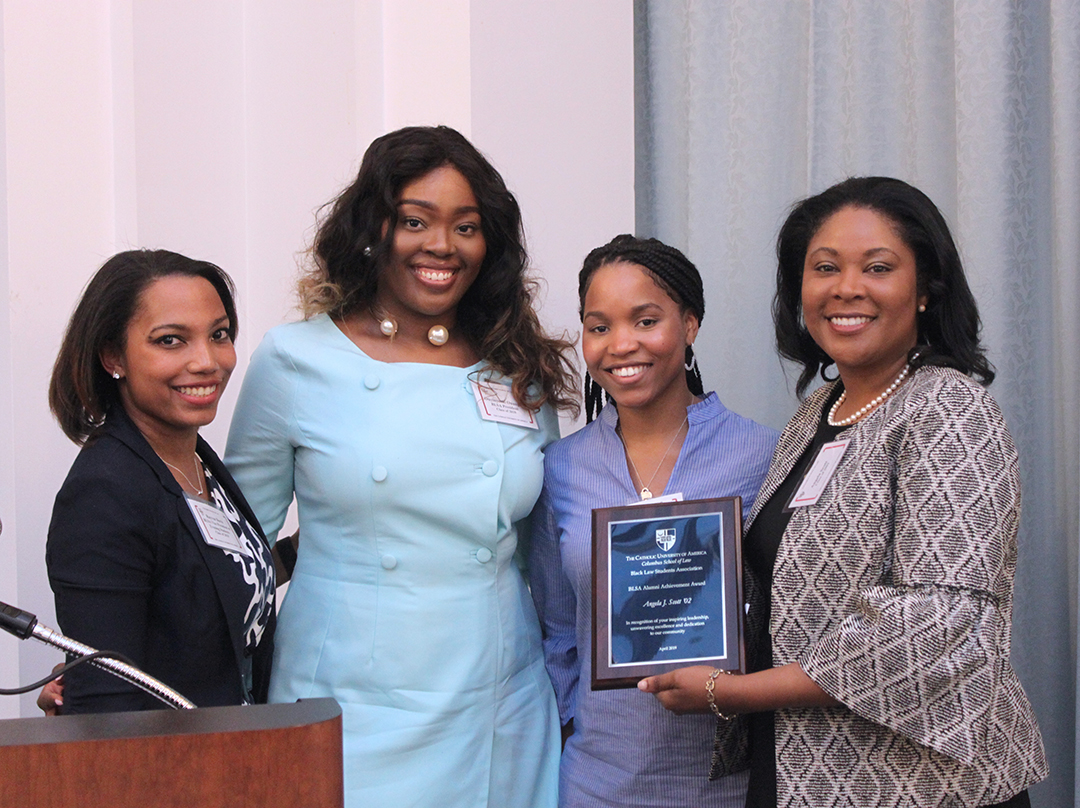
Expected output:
{"points": [[217, 468], [264, 654], [232, 600]]}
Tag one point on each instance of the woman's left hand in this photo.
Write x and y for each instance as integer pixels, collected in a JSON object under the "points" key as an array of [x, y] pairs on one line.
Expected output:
{"points": [[683, 691], [51, 697]]}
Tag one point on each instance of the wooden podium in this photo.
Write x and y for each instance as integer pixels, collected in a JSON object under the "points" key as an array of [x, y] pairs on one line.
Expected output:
{"points": [[271, 756]]}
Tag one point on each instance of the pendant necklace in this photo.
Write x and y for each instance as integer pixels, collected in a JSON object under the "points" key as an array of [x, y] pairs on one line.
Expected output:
{"points": [[198, 488], [645, 492]]}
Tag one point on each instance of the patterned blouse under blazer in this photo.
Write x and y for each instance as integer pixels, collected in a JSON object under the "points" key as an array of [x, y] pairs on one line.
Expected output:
{"points": [[894, 593]]}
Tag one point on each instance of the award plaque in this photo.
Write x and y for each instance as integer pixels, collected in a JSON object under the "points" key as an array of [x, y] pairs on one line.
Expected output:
{"points": [[667, 589]]}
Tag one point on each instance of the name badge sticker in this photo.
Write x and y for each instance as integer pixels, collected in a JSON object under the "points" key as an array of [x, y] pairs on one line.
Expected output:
{"points": [[497, 403], [676, 497], [216, 529], [818, 475]]}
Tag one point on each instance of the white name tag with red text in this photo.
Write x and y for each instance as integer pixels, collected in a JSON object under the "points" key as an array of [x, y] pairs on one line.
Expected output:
{"points": [[497, 403], [818, 475]]}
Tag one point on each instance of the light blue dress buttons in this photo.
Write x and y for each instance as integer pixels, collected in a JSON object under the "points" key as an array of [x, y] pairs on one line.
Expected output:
{"points": [[371, 381], [378, 474], [490, 468], [483, 555], [422, 425]]}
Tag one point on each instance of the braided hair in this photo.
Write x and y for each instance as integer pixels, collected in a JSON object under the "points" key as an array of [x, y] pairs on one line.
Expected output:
{"points": [[671, 270]]}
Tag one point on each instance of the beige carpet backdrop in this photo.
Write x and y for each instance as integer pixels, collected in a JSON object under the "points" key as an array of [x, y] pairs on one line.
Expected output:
{"points": [[747, 105]]}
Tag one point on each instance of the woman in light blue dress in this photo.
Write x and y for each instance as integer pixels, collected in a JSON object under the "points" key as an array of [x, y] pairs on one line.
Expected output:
{"points": [[408, 413]]}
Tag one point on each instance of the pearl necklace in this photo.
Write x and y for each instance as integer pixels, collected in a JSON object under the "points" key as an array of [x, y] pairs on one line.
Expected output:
{"points": [[873, 404], [437, 335]]}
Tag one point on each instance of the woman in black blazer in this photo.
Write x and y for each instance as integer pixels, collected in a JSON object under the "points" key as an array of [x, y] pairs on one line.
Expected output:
{"points": [[152, 549]]}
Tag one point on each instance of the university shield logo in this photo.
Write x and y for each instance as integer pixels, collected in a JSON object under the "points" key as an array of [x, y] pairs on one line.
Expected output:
{"points": [[665, 538]]}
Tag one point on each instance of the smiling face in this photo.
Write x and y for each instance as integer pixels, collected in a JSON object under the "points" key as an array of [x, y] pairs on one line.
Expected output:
{"points": [[860, 295], [635, 336], [176, 359], [438, 248]]}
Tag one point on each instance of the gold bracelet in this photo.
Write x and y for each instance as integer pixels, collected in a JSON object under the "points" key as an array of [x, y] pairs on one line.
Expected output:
{"points": [[709, 697]]}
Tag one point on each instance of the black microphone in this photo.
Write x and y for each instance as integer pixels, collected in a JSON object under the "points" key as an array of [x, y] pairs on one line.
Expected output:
{"points": [[25, 625], [15, 620]]}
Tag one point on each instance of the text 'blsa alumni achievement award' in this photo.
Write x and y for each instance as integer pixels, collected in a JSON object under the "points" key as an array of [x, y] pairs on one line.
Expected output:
{"points": [[667, 589]]}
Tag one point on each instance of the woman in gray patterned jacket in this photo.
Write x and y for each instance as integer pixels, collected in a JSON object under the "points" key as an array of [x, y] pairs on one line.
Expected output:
{"points": [[882, 547]]}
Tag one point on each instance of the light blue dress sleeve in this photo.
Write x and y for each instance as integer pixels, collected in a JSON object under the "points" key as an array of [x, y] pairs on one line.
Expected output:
{"points": [[548, 423], [260, 450], [556, 606]]}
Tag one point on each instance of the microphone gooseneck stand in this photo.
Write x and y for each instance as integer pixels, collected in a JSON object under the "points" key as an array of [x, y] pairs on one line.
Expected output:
{"points": [[24, 625]]}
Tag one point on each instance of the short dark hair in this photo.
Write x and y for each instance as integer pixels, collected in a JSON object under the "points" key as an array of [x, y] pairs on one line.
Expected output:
{"points": [[670, 269], [496, 314], [80, 390], [948, 331]]}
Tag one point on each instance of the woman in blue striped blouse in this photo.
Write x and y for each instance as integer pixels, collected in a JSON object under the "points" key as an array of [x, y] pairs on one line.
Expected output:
{"points": [[641, 305]]}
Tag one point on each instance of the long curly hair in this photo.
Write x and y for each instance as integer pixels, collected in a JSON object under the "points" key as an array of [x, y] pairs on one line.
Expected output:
{"points": [[496, 314], [948, 331]]}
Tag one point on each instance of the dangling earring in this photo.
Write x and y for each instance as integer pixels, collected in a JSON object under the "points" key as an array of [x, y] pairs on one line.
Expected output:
{"points": [[594, 398], [367, 252], [693, 374]]}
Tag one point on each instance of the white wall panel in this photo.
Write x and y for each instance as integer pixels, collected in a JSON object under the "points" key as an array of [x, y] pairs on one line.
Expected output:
{"points": [[9, 556], [553, 107], [218, 127], [60, 201], [426, 58], [189, 126], [302, 79]]}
